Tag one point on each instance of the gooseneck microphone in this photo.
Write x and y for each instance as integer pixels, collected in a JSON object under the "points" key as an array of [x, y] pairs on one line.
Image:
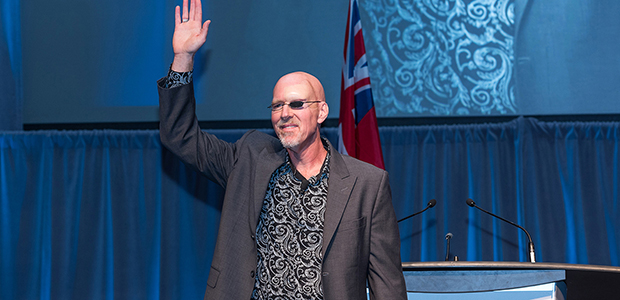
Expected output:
{"points": [[530, 244], [429, 205], [448, 237]]}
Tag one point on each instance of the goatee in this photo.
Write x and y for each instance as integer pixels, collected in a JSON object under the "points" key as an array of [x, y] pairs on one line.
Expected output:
{"points": [[288, 140]]}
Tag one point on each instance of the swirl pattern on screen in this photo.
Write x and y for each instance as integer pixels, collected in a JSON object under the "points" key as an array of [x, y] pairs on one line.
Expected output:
{"points": [[441, 57]]}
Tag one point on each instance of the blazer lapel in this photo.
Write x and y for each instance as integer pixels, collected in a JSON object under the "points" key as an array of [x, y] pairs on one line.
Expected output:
{"points": [[339, 191], [268, 161]]}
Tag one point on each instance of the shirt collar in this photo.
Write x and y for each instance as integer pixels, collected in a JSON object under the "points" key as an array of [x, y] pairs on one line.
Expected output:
{"points": [[324, 166]]}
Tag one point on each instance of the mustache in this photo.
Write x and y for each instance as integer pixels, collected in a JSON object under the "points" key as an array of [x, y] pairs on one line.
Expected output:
{"points": [[285, 123]]}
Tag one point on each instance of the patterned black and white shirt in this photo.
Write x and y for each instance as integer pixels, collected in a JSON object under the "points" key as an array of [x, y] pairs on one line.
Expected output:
{"points": [[175, 79], [289, 235]]}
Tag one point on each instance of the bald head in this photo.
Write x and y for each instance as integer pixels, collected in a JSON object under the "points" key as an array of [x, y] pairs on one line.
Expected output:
{"points": [[298, 127], [300, 79]]}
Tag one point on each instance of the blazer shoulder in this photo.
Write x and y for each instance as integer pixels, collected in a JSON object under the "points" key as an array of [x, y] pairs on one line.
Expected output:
{"points": [[257, 141], [259, 138], [362, 168]]}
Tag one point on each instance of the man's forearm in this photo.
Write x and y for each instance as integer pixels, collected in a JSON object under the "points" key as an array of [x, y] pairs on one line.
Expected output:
{"points": [[183, 63]]}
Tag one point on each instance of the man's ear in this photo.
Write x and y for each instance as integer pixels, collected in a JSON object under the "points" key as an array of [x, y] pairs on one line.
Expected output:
{"points": [[323, 112]]}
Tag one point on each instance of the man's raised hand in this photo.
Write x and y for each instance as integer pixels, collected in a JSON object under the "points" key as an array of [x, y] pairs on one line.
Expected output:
{"points": [[189, 35]]}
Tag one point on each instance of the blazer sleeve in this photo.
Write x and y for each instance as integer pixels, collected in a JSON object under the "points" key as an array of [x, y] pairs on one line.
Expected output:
{"points": [[180, 133], [385, 275]]}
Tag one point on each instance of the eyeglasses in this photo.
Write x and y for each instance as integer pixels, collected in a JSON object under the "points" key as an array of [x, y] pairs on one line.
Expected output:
{"points": [[295, 104]]}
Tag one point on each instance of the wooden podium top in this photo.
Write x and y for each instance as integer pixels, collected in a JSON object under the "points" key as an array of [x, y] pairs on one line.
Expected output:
{"points": [[582, 281], [504, 265]]}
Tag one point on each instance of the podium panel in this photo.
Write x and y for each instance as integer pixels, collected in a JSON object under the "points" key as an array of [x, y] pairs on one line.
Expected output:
{"points": [[461, 281], [550, 291]]}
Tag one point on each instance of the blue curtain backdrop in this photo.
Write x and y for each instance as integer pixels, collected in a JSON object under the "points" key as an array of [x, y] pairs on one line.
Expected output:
{"points": [[10, 66], [110, 214]]}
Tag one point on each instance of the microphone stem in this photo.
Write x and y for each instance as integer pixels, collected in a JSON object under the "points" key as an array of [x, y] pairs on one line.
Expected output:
{"points": [[532, 255], [447, 250], [514, 224], [405, 218]]}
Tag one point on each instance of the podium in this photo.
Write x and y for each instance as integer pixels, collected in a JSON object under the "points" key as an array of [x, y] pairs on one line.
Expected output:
{"points": [[510, 280]]}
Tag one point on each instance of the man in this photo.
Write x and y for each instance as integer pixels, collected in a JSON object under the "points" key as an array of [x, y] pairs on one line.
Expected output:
{"points": [[299, 220]]}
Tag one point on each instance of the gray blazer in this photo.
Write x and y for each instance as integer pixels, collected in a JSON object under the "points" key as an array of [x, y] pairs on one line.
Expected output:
{"points": [[361, 240]]}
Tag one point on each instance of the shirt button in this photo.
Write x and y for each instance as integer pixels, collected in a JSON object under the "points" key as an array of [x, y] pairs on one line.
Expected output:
{"points": [[252, 274], [252, 236], [325, 273]]}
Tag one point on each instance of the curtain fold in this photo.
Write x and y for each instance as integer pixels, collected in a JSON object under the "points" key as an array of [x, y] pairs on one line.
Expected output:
{"points": [[10, 66], [112, 214]]}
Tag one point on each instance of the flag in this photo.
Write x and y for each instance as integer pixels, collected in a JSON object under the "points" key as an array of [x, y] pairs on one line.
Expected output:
{"points": [[358, 133]]}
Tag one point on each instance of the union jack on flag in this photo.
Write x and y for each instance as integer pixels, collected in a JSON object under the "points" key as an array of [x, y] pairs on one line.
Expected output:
{"points": [[358, 133]]}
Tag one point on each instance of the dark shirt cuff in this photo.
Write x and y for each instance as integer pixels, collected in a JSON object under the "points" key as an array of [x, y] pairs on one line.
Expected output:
{"points": [[175, 79]]}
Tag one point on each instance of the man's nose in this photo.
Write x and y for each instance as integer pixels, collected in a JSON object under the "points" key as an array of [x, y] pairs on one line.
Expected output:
{"points": [[286, 112]]}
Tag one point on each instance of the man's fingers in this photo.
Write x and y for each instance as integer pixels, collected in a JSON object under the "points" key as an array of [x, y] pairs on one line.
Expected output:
{"points": [[185, 10], [197, 10], [177, 15], [192, 10], [205, 29]]}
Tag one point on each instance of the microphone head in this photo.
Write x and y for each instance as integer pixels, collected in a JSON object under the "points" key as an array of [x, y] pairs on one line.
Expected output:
{"points": [[449, 236], [470, 202], [432, 203]]}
